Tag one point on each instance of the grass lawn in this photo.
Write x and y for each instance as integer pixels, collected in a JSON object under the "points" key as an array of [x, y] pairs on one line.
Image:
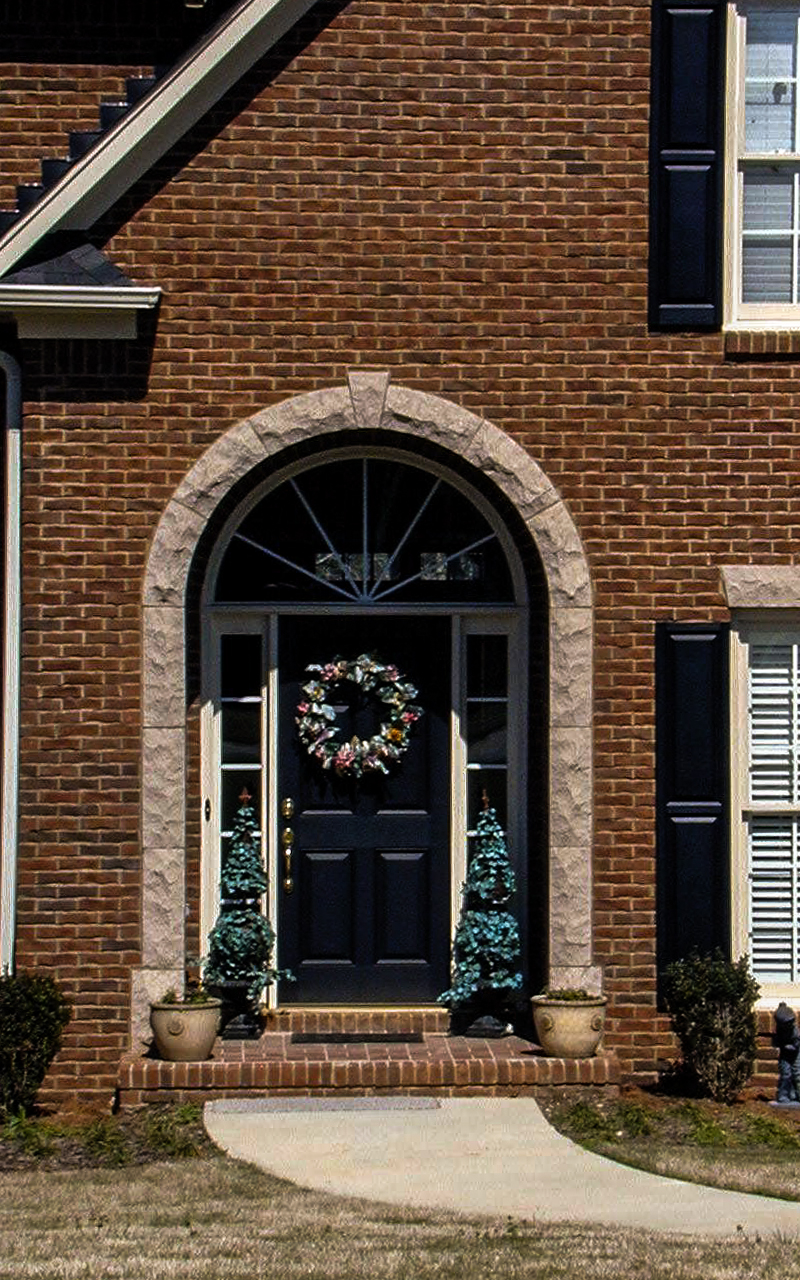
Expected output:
{"points": [[748, 1146], [98, 1201], [215, 1219]]}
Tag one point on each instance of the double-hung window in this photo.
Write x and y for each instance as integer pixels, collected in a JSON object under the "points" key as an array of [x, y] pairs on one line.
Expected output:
{"points": [[767, 807], [763, 172]]}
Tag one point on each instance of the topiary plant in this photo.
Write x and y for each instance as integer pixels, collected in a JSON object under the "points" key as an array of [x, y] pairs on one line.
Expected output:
{"points": [[33, 1015], [711, 1001], [486, 950], [242, 941]]}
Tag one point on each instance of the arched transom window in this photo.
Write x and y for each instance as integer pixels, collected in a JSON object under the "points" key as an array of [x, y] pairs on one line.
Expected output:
{"points": [[365, 531]]}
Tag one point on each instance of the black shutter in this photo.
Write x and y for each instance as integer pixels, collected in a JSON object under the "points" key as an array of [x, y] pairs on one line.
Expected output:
{"points": [[686, 164], [692, 789]]}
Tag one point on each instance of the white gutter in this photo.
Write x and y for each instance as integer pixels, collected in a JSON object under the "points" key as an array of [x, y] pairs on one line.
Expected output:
{"points": [[9, 789], [76, 311], [18, 297], [122, 155]]}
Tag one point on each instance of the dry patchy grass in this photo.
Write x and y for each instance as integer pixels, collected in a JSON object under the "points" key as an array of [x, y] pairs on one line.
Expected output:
{"points": [[216, 1219], [748, 1146], [103, 1141]]}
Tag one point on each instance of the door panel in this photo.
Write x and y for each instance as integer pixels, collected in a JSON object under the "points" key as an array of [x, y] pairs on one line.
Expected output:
{"points": [[368, 917]]}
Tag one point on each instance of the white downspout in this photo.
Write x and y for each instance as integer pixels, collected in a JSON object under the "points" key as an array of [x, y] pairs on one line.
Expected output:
{"points": [[11, 663]]}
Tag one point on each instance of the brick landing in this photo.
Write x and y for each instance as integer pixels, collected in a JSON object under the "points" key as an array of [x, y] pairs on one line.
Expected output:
{"points": [[441, 1064]]}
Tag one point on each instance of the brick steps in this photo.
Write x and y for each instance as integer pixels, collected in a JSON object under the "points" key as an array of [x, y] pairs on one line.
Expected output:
{"points": [[441, 1064], [411, 1020]]}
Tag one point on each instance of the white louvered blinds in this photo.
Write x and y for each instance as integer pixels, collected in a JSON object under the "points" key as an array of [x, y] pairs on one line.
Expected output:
{"points": [[769, 156], [774, 810]]}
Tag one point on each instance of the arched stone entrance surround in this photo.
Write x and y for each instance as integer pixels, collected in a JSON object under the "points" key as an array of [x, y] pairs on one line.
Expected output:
{"points": [[367, 401]]}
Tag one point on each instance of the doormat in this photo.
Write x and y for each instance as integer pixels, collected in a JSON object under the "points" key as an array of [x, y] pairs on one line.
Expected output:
{"points": [[232, 1105], [356, 1037]]}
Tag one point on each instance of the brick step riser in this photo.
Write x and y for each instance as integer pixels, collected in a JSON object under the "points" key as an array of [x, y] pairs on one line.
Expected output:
{"points": [[142, 1081], [359, 1021]]}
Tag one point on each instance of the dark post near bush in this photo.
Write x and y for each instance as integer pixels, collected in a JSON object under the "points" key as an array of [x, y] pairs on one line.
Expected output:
{"points": [[241, 943], [486, 951], [711, 1001]]}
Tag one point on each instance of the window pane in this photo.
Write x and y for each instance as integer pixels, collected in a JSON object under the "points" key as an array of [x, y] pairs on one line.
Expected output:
{"points": [[486, 732], [494, 783], [234, 781], [487, 666], [766, 270], [769, 117], [771, 43], [241, 666], [772, 727], [768, 200], [770, 80], [773, 891], [241, 733]]}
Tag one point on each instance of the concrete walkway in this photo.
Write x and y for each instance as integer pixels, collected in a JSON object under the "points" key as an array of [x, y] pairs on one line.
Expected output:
{"points": [[473, 1155]]}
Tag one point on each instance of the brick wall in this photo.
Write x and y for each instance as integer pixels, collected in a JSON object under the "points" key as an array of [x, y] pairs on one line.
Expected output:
{"points": [[60, 58], [456, 193]]}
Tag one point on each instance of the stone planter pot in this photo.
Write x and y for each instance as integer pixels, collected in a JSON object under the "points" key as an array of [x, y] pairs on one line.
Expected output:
{"points": [[569, 1028], [185, 1032]]}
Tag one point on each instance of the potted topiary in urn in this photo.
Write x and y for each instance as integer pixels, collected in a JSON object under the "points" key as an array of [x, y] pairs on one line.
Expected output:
{"points": [[569, 1022]]}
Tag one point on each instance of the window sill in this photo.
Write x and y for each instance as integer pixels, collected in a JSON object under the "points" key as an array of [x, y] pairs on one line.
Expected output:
{"points": [[772, 994], [757, 343]]}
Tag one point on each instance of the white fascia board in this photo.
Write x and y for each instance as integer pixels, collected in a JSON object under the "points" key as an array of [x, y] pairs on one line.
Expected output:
{"points": [[122, 155]]}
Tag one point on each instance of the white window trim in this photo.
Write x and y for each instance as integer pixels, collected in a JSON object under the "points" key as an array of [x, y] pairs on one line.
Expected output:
{"points": [[778, 625], [737, 314]]}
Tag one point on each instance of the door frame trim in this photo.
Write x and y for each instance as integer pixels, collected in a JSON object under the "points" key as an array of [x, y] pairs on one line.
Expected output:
{"points": [[265, 621], [369, 402]]}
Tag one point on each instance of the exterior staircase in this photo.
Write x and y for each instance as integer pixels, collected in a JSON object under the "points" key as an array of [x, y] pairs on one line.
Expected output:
{"points": [[338, 1062]]}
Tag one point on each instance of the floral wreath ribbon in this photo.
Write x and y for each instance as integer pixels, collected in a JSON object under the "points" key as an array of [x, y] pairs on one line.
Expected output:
{"points": [[316, 718]]}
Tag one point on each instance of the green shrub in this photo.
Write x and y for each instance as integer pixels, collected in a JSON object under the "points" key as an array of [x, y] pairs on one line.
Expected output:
{"points": [[33, 1015], [29, 1134], [105, 1141], [586, 1121], [711, 1002], [701, 1127], [173, 1132], [633, 1119], [769, 1132]]}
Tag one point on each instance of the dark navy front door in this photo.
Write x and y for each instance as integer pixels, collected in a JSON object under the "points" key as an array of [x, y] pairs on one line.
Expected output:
{"points": [[368, 916]]}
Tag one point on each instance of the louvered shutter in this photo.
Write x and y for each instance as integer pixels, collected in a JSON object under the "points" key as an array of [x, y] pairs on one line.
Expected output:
{"points": [[686, 164], [692, 789], [773, 684]]}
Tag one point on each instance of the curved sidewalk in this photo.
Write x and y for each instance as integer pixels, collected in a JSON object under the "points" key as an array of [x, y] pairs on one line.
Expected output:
{"points": [[473, 1155]]}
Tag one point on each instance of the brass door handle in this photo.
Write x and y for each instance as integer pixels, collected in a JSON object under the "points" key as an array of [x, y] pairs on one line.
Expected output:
{"points": [[287, 840]]}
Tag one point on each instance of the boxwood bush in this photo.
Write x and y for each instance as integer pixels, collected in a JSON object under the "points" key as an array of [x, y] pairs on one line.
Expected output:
{"points": [[711, 1000], [33, 1015]]}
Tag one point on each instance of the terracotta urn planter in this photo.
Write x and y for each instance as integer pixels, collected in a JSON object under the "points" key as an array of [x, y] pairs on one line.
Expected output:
{"points": [[569, 1026], [185, 1032]]}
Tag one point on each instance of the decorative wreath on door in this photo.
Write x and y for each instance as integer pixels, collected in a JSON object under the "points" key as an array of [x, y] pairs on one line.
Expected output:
{"points": [[316, 717]]}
